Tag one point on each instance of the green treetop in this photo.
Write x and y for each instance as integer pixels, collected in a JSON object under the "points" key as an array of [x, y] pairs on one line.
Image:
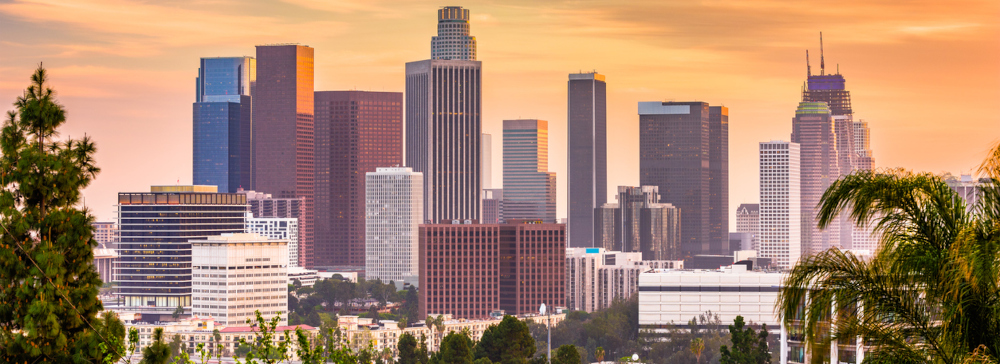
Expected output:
{"points": [[47, 279]]}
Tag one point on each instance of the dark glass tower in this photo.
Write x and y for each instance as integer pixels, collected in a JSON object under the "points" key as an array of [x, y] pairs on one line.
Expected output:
{"points": [[814, 129], [283, 145], [529, 189], [222, 123], [154, 265], [684, 151], [587, 168], [356, 132]]}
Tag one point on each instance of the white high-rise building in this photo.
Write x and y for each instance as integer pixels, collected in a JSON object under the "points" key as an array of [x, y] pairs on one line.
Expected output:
{"points": [[234, 275], [780, 236], [748, 221], [453, 40], [393, 213], [279, 228]]}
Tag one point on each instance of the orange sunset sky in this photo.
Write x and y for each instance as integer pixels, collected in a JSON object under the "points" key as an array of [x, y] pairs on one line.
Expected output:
{"points": [[924, 74]]}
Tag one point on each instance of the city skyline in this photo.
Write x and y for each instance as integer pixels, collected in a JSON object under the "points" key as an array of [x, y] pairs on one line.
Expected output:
{"points": [[101, 72]]}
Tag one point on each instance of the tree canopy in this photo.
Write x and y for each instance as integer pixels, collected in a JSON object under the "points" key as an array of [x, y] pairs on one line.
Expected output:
{"points": [[507, 342], [749, 347], [930, 293], [47, 280]]}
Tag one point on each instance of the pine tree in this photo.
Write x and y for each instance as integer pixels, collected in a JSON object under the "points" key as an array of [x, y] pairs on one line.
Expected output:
{"points": [[47, 279], [749, 347]]}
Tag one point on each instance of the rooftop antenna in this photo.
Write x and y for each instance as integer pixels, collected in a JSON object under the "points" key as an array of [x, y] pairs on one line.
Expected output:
{"points": [[809, 71], [822, 63]]}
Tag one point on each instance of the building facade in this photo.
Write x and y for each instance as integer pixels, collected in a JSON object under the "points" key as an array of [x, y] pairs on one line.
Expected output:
{"points": [[493, 206], [458, 270], [587, 155], [532, 266], [472, 270], [453, 39], [278, 228], [683, 150], [356, 132], [748, 221], [393, 213], [596, 278], [814, 130], [529, 187], [223, 149], [781, 214], [105, 232], [263, 205], [155, 229], [235, 275], [637, 223], [283, 125]]}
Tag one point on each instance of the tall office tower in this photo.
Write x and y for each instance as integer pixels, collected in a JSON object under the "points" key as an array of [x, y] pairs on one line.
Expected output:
{"points": [[748, 221], [492, 206], [529, 187], [487, 163], [453, 40], [469, 270], [393, 214], [587, 167], [443, 127], [637, 223], [864, 158], [262, 205], [831, 89], [223, 144], [356, 132], [278, 228], [780, 204], [154, 269], [252, 256], [283, 148], [104, 233], [813, 129], [683, 150]]}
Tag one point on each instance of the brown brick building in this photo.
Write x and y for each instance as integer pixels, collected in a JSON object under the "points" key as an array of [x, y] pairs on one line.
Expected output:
{"points": [[469, 270], [356, 132]]}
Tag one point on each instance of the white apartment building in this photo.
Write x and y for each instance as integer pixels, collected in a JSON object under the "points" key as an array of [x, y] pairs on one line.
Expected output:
{"points": [[201, 330], [673, 297], [780, 236], [278, 228], [595, 278], [234, 275], [394, 210], [385, 335]]}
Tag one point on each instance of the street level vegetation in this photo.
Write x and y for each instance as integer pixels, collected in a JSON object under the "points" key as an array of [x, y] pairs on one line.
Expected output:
{"points": [[930, 293]]}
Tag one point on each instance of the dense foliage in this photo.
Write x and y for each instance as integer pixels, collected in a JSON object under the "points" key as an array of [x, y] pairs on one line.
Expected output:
{"points": [[331, 297], [749, 347], [47, 280], [930, 293]]}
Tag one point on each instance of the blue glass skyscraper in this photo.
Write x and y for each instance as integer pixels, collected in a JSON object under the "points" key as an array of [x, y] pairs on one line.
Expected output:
{"points": [[223, 122]]}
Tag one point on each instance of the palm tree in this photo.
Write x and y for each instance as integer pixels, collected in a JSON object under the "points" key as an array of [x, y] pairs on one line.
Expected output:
{"points": [[599, 354], [697, 347], [930, 293]]}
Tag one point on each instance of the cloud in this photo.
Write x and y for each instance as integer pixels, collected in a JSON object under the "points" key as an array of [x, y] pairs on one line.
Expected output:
{"points": [[137, 29]]}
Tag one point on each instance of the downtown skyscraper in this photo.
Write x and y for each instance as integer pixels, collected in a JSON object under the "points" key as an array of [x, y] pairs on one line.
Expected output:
{"points": [[814, 130], [356, 133], [444, 123], [284, 164], [852, 147], [222, 122], [587, 165], [529, 188], [781, 214], [684, 151]]}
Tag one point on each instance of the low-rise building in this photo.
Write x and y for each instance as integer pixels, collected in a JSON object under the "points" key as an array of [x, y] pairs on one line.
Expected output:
{"points": [[595, 277], [360, 331], [237, 274], [673, 297], [203, 330]]}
